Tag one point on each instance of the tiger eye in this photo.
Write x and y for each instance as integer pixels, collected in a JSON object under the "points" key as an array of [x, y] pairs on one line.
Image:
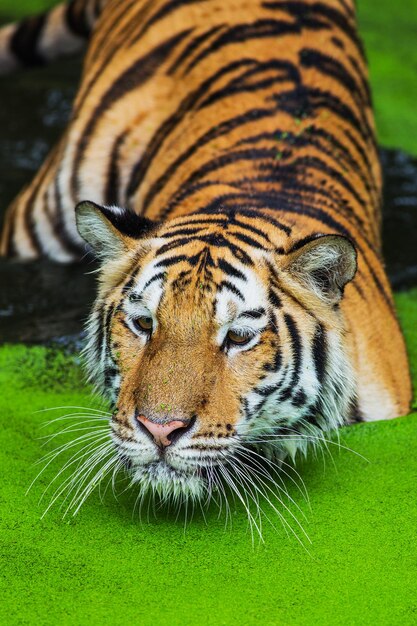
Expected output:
{"points": [[144, 323], [239, 340]]}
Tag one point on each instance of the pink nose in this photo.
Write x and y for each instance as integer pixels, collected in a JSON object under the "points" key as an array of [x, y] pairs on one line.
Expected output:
{"points": [[161, 432]]}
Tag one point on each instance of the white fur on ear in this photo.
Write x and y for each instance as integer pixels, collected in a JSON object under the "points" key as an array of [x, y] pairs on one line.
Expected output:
{"points": [[97, 230], [324, 265], [108, 229]]}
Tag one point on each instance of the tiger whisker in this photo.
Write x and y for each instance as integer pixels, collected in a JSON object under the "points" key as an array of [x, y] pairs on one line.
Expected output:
{"points": [[70, 430], [71, 444], [78, 501], [280, 470], [311, 439], [67, 483], [263, 471], [83, 470], [51, 456], [248, 492], [252, 521], [75, 417], [77, 457], [79, 408], [280, 515]]}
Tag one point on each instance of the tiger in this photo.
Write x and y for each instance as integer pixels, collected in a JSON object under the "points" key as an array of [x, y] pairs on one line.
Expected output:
{"points": [[221, 157]]}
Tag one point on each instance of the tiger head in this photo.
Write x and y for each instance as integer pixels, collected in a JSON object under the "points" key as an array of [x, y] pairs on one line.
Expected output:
{"points": [[214, 334]]}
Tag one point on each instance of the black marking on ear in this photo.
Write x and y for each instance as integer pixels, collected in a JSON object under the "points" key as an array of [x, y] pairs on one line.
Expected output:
{"points": [[128, 222], [302, 242], [125, 221]]}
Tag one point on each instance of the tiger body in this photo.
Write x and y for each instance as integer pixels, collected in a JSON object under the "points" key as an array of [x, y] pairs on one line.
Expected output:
{"points": [[243, 131]]}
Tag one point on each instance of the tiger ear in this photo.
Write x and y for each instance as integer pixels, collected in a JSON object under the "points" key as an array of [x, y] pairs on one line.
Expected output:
{"points": [[110, 230], [324, 264]]}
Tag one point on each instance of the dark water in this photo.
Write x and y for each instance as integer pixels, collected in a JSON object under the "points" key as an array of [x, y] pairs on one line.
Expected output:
{"points": [[40, 302]]}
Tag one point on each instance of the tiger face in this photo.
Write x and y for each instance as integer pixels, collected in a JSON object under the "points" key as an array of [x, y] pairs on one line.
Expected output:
{"points": [[210, 336]]}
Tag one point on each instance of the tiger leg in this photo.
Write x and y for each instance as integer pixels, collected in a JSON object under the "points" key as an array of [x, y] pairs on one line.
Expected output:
{"points": [[379, 355]]}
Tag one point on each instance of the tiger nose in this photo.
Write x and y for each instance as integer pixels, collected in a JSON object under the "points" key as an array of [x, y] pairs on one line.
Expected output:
{"points": [[164, 434]]}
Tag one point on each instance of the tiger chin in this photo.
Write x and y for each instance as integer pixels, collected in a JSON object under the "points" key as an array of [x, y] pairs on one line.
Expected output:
{"points": [[216, 357]]}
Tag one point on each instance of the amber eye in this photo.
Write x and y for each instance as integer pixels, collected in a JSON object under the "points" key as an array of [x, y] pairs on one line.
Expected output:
{"points": [[238, 340], [144, 324]]}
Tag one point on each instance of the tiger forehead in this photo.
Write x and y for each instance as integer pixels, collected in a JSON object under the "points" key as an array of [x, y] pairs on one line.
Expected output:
{"points": [[199, 276]]}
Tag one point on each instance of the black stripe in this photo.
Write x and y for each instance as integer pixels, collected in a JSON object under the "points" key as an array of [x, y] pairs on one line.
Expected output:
{"points": [[112, 190], [253, 313], [299, 398], [173, 260], [136, 75], [97, 8], [364, 152], [276, 362], [191, 47], [226, 284], [228, 269], [241, 33], [320, 352], [244, 83], [186, 230], [58, 225], [169, 7], [250, 241], [204, 260], [25, 39], [159, 276], [102, 37], [313, 136], [279, 285], [76, 19], [188, 103], [254, 229], [7, 233], [315, 10], [311, 58], [309, 101], [296, 350], [363, 79], [28, 207], [274, 299], [129, 284], [110, 372], [107, 328], [338, 43]]}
